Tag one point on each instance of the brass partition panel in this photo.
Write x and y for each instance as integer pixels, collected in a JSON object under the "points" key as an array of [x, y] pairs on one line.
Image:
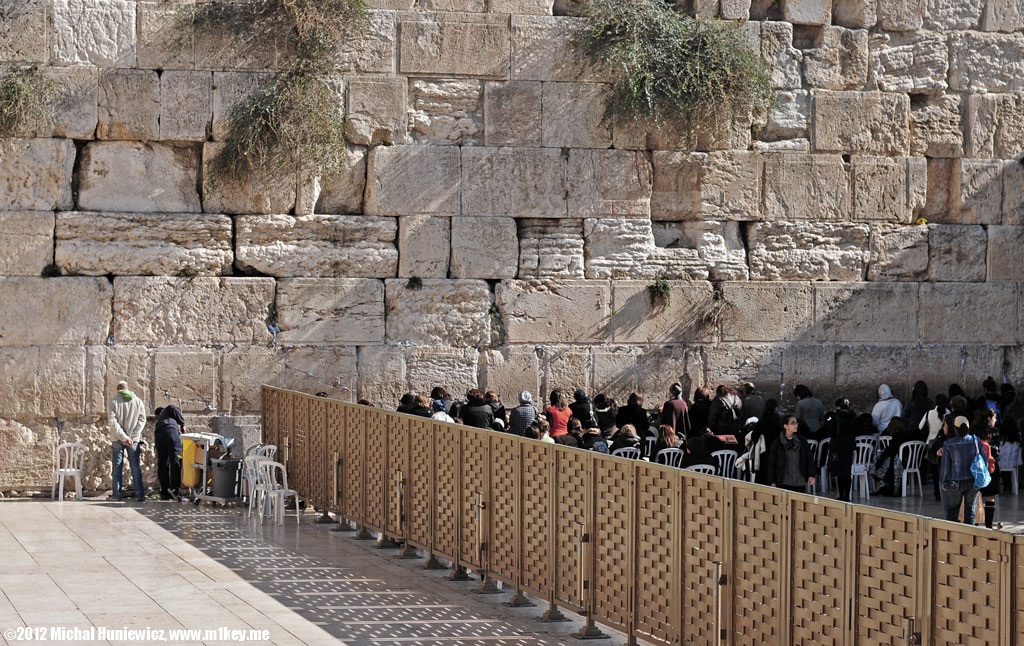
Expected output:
{"points": [[797, 569]]}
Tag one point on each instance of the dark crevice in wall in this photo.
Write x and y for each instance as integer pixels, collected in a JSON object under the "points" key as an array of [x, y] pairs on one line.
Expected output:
{"points": [[76, 172]]}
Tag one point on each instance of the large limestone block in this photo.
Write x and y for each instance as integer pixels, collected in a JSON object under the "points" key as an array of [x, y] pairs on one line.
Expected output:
{"points": [[810, 364], [860, 370], [541, 51], [957, 252], [789, 117], [866, 312], [23, 30], [382, 379], [26, 242], [18, 369], [625, 248], [91, 33], [573, 116], [36, 174], [945, 319], [735, 10], [1003, 15], [251, 193], [75, 114], [824, 182], [186, 105], [98, 244], [484, 248], [192, 311], [916, 63], [981, 191], [609, 183], [1013, 193], [898, 253], [61, 383], [509, 370], [765, 312], [935, 129], [943, 190], [720, 245], [734, 363], [446, 112], [554, 312], [161, 44], [855, 14], [530, 7], [376, 51], [132, 176], [376, 111], [26, 459], [521, 182], [1009, 135], [312, 369], [567, 367], [873, 123], [981, 120], [778, 51], [343, 192], [331, 310], [186, 378], [452, 313], [410, 180], [54, 311], [129, 105], [513, 113], [243, 370], [317, 245], [808, 251], [840, 62], [469, 6], [230, 89], [982, 62], [614, 372], [712, 186], [688, 315], [950, 15], [550, 249], [880, 189], [455, 368], [807, 12], [454, 44], [133, 364], [901, 15], [659, 366], [1004, 245], [424, 246], [246, 49]]}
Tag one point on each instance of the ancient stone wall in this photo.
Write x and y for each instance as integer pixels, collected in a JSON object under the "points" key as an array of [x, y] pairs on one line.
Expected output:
{"points": [[492, 230]]}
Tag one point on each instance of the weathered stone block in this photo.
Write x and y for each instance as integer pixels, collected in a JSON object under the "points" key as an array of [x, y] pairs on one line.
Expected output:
{"points": [[783, 59], [192, 311], [534, 7], [330, 369], [331, 310], [982, 62], [980, 124], [935, 128], [943, 190], [715, 186], [916, 63], [509, 371], [317, 245], [26, 459], [26, 242], [424, 246], [855, 14], [901, 15], [861, 369], [455, 368], [453, 44], [243, 370], [452, 313], [573, 116], [807, 12], [873, 123], [253, 193], [408, 180], [880, 189], [1004, 245], [376, 52], [554, 312], [54, 311], [61, 383], [813, 365], [688, 312], [36, 174], [230, 89], [98, 244], [75, 113], [469, 6], [513, 112], [609, 183], [645, 135], [840, 62], [862, 313], [734, 363], [376, 111], [18, 368], [625, 248], [23, 31], [981, 191], [945, 319], [658, 367], [382, 378], [187, 378], [957, 252], [951, 15], [1003, 15], [186, 105], [824, 182], [247, 49], [565, 367], [89, 33], [343, 192], [484, 248], [1013, 193], [808, 251], [446, 112], [161, 43], [789, 118], [521, 182], [139, 177], [735, 10], [898, 253], [752, 312], [129, 105], [550, 249], [614, 372], [1009, 135], [541, 51], [719, 244]]}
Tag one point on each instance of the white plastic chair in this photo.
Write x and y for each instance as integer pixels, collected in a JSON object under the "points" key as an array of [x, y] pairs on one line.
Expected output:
{"points": [[862, 459], [627, 452], [276, 492], [702, 468], [910, 455], [872, 440], [726, 460], [650, 441], [883, 442], [257, 487], [70, 459], [671, 457]]}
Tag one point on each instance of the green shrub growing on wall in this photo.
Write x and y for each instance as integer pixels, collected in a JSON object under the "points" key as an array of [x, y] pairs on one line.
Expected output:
{"points": [[669, 67], [26, 101]]}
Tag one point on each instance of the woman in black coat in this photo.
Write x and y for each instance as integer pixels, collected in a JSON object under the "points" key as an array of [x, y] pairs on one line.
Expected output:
{"points": [[843, 427], [790, 459]]}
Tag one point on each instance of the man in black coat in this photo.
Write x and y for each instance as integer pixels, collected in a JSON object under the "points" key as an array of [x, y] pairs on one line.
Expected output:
{"points": [[170, 424]]}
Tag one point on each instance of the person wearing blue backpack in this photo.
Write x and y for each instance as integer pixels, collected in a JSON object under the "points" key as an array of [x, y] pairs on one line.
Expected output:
{"points": [[958, 481]]}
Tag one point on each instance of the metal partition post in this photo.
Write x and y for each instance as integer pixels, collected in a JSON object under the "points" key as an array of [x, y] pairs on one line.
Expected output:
{"points": [[408, 551], [487, 585], [584, 553]]}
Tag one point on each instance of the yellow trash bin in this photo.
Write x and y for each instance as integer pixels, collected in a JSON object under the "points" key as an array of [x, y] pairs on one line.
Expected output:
{"points": [[189, 474]]}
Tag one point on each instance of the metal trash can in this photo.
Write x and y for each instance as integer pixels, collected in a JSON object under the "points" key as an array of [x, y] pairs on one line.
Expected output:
{"points": [[227, 478]]}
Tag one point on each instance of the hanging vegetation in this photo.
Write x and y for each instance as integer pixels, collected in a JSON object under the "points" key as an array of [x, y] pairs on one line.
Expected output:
{"points": [[27, 98]]}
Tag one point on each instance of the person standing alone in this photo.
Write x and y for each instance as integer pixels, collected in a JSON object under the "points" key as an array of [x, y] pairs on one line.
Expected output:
{"points": [[127, 420]]}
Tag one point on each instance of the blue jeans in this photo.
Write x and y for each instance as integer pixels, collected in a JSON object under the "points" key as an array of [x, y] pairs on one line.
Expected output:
{"points": [[118, 450], [963, 492]]}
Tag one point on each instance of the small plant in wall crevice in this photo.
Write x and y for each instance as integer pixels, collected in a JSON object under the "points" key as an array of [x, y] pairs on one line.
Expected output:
{"points": [[660, 292], [27, 98]]}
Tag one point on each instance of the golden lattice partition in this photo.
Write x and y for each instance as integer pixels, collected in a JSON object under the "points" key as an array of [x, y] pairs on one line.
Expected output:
{"points": [[795, 569]]}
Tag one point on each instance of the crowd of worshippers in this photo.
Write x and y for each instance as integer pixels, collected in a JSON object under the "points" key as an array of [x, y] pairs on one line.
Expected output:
{"points": [[773, 444]]}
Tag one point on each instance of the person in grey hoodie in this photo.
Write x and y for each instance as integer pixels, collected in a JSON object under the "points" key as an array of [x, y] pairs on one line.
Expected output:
{"points": [[885, 409], [127, 421]]}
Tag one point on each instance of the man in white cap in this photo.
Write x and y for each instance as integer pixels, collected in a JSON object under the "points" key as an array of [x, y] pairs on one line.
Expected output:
{"points": [[127, 421]]}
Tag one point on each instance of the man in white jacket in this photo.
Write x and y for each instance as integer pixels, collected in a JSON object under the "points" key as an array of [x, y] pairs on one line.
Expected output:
{"points": [[127, 421], [885, 409]]}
